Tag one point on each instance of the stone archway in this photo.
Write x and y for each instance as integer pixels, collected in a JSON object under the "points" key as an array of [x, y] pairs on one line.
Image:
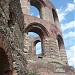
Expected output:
{"points": [[6, 66], [42, 32]]}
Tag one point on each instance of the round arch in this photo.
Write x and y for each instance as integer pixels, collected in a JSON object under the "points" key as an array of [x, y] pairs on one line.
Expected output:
{"points": [[41, 31], [35, 42], [60, 41], [55, 17], [37, 3], [37, 28]]}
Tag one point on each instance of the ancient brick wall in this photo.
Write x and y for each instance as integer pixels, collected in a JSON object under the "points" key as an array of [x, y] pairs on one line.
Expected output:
{"points": [[49, 20], [49, 31], [11, 39], [15, 23]]}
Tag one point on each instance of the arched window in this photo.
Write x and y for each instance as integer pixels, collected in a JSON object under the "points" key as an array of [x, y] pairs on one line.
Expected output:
{"points": [[41, 31], [55, 17], [36, 4], [38, 48], [60, 42], [35, 43], [34, 11]]}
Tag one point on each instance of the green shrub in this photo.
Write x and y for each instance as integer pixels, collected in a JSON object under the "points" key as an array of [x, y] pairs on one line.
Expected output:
{"points": [[33, 73]]}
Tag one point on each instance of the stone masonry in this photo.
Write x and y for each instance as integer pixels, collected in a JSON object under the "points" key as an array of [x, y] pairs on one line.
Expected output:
{"points": [[12, 57], [17, 49], [53, 59]]}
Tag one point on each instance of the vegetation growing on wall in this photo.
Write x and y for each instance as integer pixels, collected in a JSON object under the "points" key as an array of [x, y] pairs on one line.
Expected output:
{"points": [[33, 73]]}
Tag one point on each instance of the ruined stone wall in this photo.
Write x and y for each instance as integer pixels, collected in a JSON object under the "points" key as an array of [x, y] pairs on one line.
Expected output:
{"points": [[48, 19], [48, 28], [11, 28], [15, 23]]}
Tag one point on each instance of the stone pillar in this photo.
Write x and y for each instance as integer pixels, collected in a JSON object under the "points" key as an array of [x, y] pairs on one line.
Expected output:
{"points": [[42, 13], [25, 5], [33, 49], [46, 47], [46, 14], [57, 50], [54, 50], [63, 55]]}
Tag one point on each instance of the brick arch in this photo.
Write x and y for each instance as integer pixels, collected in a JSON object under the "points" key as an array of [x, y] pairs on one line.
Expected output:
{"points": [[41, 31], [37, 28], [36, 40], [61, 48], [55, 17], [37, 3], [35, 43], [5, 57], [60, 41]]}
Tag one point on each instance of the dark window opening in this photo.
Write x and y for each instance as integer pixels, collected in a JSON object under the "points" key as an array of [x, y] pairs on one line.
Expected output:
{"points": [[11, 20], [55, 17], [60, 42]]}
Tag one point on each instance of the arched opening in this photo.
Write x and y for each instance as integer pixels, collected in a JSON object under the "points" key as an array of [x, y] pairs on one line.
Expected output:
{"points": [[38, 4], [60, 42], [35, 42], [38, 48], [42, 34], [55, 17], [34, 11], [4, 63]]}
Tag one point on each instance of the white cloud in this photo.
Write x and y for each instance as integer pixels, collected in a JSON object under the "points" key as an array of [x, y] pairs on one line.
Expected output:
{"points": [[68, 25], [31, 14], [71, 56], [74, 1], [63, 12], [38, 16], [70, 7], [70, 34]]}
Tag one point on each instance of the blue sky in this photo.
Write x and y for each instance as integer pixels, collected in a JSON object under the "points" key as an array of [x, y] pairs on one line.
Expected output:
{"points": [[66, 14]]}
